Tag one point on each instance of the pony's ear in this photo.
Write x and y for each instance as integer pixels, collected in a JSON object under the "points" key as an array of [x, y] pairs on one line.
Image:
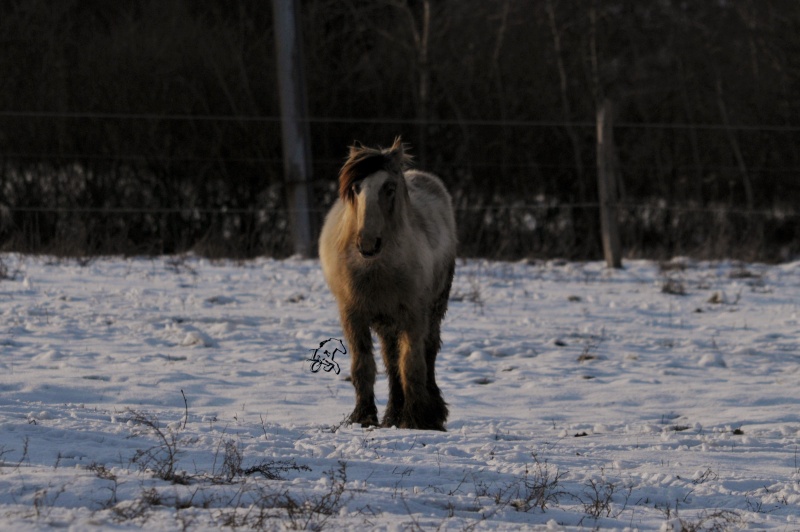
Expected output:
{"points": [[399, 159], [355, 148]]}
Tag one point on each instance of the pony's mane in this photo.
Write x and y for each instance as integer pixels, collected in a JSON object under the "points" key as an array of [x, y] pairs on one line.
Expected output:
{"points": [[363, 162]]}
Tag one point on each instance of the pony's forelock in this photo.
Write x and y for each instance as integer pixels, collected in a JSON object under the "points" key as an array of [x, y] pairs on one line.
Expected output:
{"points": [[363, 162]]}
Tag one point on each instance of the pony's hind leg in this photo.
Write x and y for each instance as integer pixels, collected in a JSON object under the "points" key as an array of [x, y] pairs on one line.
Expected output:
{"points": [[390, 352], [362, 370]]}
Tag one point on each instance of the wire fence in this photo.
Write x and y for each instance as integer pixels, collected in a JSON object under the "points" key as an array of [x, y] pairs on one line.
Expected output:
{"points": [[781, 128], [569, 231], [53, 218], [327, 162], [777, 213]]}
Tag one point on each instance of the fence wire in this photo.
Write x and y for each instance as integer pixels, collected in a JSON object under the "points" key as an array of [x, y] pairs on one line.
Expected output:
{"points": [[782, 128]]}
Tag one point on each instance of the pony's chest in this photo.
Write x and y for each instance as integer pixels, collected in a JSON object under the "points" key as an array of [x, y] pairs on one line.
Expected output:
{"points": [[385, 288]]}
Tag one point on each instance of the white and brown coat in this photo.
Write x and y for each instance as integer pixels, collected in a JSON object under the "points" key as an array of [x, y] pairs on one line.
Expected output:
{"points": [[388, 249]]}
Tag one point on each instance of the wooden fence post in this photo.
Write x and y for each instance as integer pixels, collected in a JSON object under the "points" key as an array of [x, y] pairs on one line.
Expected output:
{"points": [[607, 185], [294, 125]]}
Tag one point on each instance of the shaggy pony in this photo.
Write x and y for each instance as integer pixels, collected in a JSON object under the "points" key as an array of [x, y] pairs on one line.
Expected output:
{"points": [[388, 249]]}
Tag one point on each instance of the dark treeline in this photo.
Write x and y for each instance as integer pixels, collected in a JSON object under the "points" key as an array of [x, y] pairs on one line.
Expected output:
{"points": [[151, 126]]}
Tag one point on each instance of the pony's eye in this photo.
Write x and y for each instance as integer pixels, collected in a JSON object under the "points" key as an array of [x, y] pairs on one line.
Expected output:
{"points": [[390, 191], [356, 187]]}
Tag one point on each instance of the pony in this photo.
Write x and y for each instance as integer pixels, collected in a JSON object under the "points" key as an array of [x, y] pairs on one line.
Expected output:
{"points": [[387, 250]]}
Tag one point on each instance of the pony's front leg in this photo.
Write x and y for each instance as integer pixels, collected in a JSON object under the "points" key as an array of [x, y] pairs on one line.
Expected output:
{"points": [[389, 350], [362, 370], [419, 410]]}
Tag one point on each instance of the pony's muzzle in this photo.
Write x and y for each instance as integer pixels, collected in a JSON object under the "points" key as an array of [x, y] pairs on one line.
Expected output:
{"points": [[368, 252]]}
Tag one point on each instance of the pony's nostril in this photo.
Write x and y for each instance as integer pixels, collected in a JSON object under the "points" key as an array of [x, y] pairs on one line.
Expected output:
{"points": [[370, 252]]}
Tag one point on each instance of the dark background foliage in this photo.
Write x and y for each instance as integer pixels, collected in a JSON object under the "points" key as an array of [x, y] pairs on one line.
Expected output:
{"points": [[152, 126]]}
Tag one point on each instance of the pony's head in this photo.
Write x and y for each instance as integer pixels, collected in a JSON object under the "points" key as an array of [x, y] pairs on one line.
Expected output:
{"points": [[371, 184]]}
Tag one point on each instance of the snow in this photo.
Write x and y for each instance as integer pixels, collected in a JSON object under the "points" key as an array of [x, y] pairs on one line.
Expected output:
{"points": [[178, 393]]}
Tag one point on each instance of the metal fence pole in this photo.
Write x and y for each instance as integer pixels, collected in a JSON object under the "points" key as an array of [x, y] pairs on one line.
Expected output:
{"points": [[607, 185], [294, 125]]}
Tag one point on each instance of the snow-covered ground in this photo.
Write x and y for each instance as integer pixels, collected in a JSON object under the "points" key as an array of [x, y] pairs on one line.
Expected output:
{"points": [[178, 393]]}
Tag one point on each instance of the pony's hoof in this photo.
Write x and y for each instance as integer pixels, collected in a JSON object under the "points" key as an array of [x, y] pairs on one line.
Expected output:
{"points": [[440, 428], [421, 425], [392, 416], [364, 419], [389, 422]]}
